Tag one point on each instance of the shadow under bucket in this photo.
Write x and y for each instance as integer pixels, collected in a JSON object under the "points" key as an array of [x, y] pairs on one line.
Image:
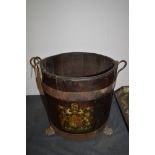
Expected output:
{"points": [[78, 87]]}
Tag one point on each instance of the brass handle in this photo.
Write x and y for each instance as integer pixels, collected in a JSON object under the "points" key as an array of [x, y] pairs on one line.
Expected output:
{"points": [[34, 61], [125, 64]]}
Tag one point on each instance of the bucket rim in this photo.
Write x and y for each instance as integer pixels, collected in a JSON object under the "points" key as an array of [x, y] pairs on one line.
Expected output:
{"points": [[91, 77]]}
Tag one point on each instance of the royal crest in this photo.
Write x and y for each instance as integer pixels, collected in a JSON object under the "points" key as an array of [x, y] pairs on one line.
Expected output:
{"points": [[75, 118]]}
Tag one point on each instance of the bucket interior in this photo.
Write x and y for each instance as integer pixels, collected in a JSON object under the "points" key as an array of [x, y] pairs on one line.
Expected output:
{"points": [[77, 64]]}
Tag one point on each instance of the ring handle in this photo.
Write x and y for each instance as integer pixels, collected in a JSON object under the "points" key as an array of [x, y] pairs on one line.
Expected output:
{"points": [[34, 61], [125, 64]]}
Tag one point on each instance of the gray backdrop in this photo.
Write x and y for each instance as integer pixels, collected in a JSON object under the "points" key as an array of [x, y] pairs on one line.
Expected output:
{"points": [[56, 26]]}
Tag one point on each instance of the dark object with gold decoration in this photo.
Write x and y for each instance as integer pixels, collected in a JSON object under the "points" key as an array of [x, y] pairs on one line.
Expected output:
{"points": [[78, 87], [122, 96]]}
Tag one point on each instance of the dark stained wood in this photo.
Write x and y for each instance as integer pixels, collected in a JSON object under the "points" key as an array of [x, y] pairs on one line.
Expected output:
{"points": [[90, 71], [101, 109]]}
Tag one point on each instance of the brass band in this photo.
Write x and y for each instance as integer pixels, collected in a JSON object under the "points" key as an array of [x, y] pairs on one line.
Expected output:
{"points": [[77, 96]]}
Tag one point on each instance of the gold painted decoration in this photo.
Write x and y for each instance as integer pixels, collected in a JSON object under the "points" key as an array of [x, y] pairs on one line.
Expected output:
{"points": [[75, 118]]}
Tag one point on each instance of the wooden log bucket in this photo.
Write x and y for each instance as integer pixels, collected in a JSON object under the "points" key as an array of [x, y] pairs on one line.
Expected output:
{"points": [[78, 87]]}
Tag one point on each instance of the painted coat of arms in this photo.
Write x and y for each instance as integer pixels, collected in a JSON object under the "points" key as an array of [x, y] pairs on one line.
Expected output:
{"points": [[75, 117]]}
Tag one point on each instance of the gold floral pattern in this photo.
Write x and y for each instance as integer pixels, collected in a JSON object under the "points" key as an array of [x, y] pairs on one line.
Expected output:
{"points": [[75, 118]]}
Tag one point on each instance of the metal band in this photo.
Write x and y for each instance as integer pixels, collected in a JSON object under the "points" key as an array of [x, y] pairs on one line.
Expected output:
{"points": [[77, 96]]}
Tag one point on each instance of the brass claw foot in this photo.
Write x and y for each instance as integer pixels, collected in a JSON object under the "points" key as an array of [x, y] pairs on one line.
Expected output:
{"points": [[50, 131], [108, 131]]}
